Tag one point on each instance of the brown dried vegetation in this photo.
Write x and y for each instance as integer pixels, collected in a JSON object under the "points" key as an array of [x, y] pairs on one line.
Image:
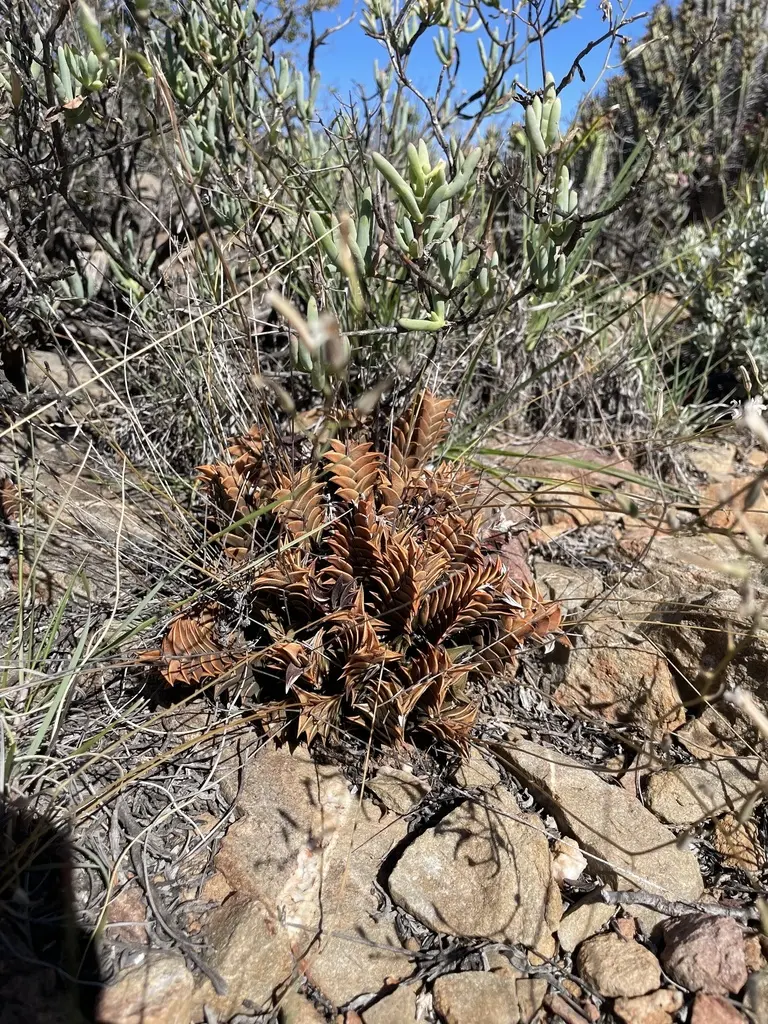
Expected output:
{"points": [[367, 592]]}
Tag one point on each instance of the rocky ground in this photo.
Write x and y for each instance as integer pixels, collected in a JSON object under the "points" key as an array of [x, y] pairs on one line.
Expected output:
{"points": [[599, 857]]}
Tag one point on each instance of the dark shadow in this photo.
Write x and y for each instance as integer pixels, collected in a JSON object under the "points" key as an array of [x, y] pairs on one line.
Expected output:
{"points": [[49, 973]]}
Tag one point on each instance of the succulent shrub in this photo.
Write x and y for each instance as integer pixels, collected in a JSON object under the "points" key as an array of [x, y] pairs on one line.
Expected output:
{"points": [[696, 86], [723, 271], [368, 589]]}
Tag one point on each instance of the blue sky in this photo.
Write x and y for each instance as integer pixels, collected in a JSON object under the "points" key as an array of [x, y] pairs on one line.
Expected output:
{"points": [[348, 56]]}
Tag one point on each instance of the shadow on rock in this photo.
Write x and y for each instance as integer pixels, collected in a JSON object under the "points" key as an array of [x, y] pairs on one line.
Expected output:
{"points": [[48, 968]]}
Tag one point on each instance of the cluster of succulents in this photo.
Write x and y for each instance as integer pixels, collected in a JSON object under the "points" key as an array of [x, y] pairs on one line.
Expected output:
{"points": [[723, 273], [368, 590]]}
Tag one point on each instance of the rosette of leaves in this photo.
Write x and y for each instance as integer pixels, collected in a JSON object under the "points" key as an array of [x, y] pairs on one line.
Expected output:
{"points": [[370, 594]]}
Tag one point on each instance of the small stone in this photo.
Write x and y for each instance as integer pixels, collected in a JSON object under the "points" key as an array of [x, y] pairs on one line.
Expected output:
{"points": [[626, 927], [756, 996], [655, 1008], [739, 844], [568, 862], [215, 888], [708, 1009], [619, 678], [705, 954], [475, 996], [398, 790], [616, 967], [753, 953], [530, 997], [483, 871], [582, 921], [397, 1008], [700, 740], [689, 793], [157, 991]]}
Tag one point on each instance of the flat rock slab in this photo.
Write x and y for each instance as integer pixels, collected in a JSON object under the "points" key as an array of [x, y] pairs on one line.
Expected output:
{"points": [[688, 793], [310, 850], [475, 996], [630, 847], [483, 871]]}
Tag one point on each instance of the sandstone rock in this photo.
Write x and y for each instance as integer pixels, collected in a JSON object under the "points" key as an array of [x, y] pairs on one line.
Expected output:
{"points": [[157, 991], [753, 953], [251, 952], [756, 996], [397, 1008], [295, 1008], [705, 954], [724, 505], [714, 459], [310, 851], [562, 508], [632, 848], [620, 678], [709, 1009], [476, 773], [688, 793], [127, 916], [398, 790], [484, 870], [475, 996], [530, 994], [572, 586], [700, 736], [616, 967], [655, 1008], [582, 921]]}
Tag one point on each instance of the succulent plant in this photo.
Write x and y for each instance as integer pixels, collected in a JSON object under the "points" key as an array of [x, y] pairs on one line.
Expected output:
{"points": [[372, 592]]}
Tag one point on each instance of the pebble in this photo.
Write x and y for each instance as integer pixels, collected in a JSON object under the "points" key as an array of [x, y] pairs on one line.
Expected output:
{"points": [[616, 967]]}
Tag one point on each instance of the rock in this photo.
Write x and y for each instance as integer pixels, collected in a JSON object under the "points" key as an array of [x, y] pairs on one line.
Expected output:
{"points": [[705, 954], [572, 586], [554, 458], [530, 994], [709, 1009], [633, 849], [753, 953], [582, 921], [689, 793], [483, 871], [157, 991], [724, 505], [397, 1008], [616, 967], [127, 916], [398, 790], [309, 850], [655, 1008], [251, 952], [620, 678], [693, 629], [562, 508], [295, 1008], [712, 458], [738, 843], [568, 862], [756, 996], [475, 996], [476, 773], [700, 736]]}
